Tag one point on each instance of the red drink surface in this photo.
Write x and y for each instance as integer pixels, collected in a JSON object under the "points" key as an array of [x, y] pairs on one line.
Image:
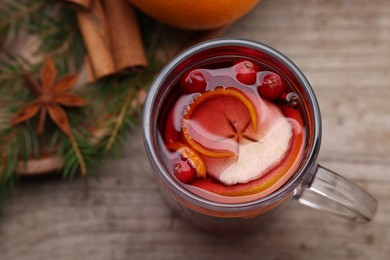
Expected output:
{"points": [[235, 125]]}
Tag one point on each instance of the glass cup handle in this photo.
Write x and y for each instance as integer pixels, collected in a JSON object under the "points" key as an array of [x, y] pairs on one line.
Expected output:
{"points": [[335, 194]]}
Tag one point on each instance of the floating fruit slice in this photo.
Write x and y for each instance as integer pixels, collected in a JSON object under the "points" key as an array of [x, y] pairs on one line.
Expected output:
{"points": [[255, 158], [276, 177], [214, 116], [193, 157]]}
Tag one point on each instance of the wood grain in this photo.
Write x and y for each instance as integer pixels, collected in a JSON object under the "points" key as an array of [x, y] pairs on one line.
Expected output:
{"points": [[343, 47]]}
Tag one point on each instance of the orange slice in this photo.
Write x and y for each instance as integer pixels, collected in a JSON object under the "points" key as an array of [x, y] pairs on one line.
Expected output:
{"points": [[276, 177], [192, 156], [213, 115]]}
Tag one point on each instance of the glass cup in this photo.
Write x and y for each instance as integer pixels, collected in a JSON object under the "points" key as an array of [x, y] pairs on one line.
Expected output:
{"points": [[312, 184]]}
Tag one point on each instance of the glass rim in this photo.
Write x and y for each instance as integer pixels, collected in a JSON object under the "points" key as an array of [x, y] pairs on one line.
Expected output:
{"points": [[149, 136]]}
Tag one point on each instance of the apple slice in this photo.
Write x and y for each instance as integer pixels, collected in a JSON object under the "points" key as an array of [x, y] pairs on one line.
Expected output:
{"points": [[257, 153]]}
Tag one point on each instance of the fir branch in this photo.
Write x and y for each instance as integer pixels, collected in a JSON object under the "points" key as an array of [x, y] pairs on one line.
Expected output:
{"points": [[112, 111], [10, 67], [6, 187], [54, 25], [8, 161], [59, 36], [78, 154], [119, 120], [15, 13], [89, 153]]}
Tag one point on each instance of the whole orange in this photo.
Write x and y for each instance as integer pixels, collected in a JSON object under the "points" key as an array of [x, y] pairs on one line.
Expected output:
{"points": [[195, 14]]}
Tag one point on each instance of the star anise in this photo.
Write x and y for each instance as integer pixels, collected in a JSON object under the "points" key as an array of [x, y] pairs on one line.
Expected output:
{"points": [[51, 95]]}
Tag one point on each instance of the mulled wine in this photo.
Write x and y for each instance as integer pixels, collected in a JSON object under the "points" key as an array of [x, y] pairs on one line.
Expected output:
{"points": [[231, 131]]}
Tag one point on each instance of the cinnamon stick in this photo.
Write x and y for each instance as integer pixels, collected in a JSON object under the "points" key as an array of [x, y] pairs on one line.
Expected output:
{"points": [[99, 14], [91, 77], [84, 4], [95, 41], [125, 38]]}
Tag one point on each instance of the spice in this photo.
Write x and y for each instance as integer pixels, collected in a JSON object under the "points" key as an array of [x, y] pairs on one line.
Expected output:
{"points": [[112, 38], [51, 95]]}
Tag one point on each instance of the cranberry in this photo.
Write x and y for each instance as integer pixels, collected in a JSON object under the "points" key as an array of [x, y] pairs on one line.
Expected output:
{"points": [[272, 86], [193, 81], [246, 72], [184, 171]]}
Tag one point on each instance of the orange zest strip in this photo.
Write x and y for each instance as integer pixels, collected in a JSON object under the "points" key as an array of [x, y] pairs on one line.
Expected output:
{"points": [[200, 149], [208, 95], [225, 92], [192, 156]]}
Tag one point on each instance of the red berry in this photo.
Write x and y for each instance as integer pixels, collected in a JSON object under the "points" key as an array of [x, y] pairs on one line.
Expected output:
{"points": [[184, 171], [246, 72], [193, 81], [272, 86]]}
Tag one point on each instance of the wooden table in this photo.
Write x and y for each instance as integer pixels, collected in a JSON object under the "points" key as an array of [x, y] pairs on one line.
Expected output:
{"points": [[343, 47]]}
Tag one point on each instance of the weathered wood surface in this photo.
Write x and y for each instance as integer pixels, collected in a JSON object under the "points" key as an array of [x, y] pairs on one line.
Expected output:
{"points": [[343, 47]]}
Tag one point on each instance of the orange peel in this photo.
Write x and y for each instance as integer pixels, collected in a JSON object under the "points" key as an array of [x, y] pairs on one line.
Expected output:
{"points": [[199, 148], [209, 95], [192, 156]]}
